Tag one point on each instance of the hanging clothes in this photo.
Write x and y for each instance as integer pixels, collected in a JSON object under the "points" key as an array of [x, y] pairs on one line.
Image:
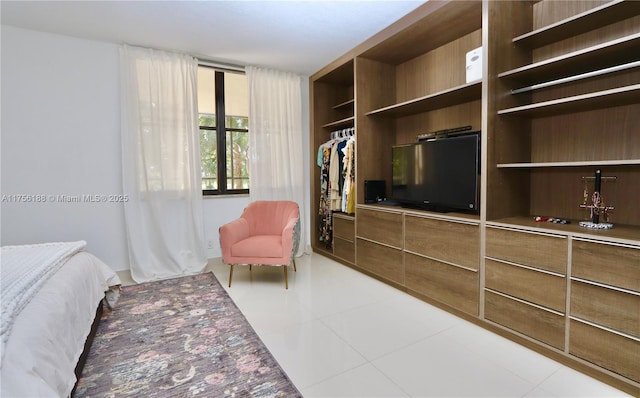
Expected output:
{"points": [[324, 209], [333, 168], [348, 193]]}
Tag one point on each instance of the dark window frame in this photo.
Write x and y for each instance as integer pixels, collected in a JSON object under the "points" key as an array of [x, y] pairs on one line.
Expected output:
{"points": [[221, 140]]}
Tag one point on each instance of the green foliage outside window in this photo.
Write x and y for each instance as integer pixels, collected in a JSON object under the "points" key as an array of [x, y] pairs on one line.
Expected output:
{"points": [[237, 159]]}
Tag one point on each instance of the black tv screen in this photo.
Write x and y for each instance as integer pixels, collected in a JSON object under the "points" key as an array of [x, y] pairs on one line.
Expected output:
{"points": [[439, 175]]}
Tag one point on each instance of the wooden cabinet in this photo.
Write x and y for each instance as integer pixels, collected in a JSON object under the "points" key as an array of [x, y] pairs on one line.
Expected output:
{"points": [[536, 322], [381, 226], [454, 286], [379, 243], [566, 103], [344, 237], [442, 258], [558, 99], [610, 263], [541, 288], [544, 251], [381, 260], [605, 305], [449, 241], [413, 81], [611, 351], [332, 108], [525, 283]]}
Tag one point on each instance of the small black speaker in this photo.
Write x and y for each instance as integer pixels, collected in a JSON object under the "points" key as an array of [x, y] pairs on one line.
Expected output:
{"points": [[374, 191]]}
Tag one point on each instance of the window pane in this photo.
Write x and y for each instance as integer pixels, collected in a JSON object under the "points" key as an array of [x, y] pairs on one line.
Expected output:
{"points": [[206, 91], [209, 156], [236, 95], [237, 160]]}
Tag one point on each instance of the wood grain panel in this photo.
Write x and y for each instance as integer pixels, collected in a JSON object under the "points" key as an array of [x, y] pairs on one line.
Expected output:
{"points": [[344, 228], [534, 322], [453, 286], [611, 351], [326, 90], [425, 75], [548, 12], [374, 89], [431, 26], [606, 263], [540, 251], [380, 226], [344, 249], [603, 134], [563, 192], [383, 261], [465, 114], [445, 240], [537, 287], [614, 309]]}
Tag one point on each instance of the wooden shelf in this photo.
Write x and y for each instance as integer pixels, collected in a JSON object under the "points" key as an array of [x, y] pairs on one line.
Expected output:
{"points": [[431, 25], [346, 122], [457, 95], [601, 99], [568, 164], [345, 105], [615, 52], [620, 233], [595, 18]]}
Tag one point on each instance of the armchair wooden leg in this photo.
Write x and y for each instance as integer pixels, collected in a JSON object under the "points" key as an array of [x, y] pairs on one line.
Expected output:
{"points": [[294, 265], [286, 281], [230, 274]]}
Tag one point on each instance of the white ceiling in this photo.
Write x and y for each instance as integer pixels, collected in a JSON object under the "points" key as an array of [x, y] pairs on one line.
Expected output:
{"points": [[296, 36]]}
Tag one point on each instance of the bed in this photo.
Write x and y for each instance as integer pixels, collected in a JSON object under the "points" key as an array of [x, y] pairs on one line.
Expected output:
{"points": [[50, 294]]}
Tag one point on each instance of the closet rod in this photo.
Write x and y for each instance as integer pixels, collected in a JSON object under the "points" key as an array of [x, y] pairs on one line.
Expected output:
{"points": [[220, 65]]}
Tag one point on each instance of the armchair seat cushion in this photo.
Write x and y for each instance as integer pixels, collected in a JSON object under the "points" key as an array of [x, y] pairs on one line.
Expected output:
{"points": [[260, 246]]}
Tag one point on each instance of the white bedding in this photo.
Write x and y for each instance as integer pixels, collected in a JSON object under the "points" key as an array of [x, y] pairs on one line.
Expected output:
{"points": [[25, 269], [48, 336]]}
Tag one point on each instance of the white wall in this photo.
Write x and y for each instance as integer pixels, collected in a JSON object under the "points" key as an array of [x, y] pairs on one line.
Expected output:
{"points": [[60, 135]]}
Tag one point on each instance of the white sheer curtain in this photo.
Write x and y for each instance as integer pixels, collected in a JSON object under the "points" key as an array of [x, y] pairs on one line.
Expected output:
{"points": [[275, 128], [161, 164]]}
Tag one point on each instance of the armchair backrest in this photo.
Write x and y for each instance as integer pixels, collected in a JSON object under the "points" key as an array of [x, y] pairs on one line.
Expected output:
{"points": [[269, 217]]}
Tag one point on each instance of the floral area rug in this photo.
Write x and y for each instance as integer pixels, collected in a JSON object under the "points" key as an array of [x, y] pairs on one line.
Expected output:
{"points": [[181, 337]]}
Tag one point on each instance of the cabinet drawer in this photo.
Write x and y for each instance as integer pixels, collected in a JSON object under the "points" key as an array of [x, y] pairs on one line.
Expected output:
{"points": [[381, 260], [344, 249], [607, 307], [540, 251], [344, 228], [542, 325], [606, 263], [537, 287], [454, 242], [611, 351], [380, 226], [454, 286]]}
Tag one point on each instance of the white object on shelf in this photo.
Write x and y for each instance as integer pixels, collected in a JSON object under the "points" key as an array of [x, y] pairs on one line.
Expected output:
{"points": [[591, 225], [474, 65]]}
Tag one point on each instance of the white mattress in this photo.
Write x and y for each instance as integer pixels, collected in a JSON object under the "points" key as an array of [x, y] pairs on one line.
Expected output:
{"points": [[48, 336]]}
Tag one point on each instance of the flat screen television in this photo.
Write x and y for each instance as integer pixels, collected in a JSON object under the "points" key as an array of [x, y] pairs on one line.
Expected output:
{"points": [[439, 175]]}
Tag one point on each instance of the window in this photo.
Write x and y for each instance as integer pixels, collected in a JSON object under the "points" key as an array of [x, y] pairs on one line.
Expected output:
{"points": [[223, 108]]}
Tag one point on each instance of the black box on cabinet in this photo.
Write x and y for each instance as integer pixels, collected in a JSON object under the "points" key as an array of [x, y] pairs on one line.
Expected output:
{"points": [[374, 191]]}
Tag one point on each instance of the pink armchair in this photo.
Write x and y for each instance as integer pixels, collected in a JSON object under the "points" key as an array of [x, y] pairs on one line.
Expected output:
{"points": [[267, 233]]}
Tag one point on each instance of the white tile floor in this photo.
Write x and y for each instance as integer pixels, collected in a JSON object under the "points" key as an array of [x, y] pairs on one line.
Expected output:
{"points": [[339, 333]]}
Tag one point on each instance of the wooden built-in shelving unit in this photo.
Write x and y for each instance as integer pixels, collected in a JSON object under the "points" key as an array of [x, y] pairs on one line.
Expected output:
{"points": [[559, 98]]}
